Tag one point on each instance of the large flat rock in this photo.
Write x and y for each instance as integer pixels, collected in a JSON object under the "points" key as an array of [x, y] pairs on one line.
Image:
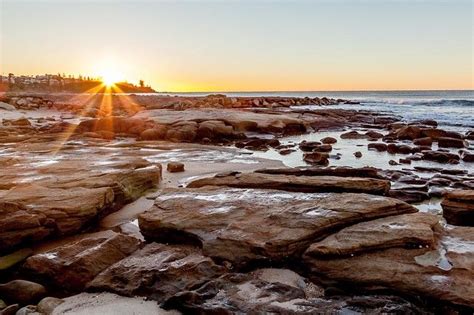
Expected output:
{"points": [[241, 225], [406, 230], [73, 265], [296, 183], [61, 196], [442, 271], [158, 271], [241, 120]]}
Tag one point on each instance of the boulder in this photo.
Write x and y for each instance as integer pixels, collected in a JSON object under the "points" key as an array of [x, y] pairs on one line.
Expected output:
{"points": [[467, 157], [435, 133], [373, 134], [227, 223], [426, 141], [72, 266], [22, 292], [381, 147], [328, 140], [296, 183], [48, 304], [318, 158], [408, 133], [353, 135], [441, 157], [445, 142], [158, 272], [174, 167], [458, 207], [156, 133], [442, 271], [308, 146], [358, 154]]}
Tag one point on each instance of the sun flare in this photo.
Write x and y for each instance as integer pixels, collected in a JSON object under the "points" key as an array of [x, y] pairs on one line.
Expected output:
{"points": [[110, 77]]}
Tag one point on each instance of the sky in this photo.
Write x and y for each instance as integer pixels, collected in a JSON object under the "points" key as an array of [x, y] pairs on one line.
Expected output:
{"points": [[245, 45]]}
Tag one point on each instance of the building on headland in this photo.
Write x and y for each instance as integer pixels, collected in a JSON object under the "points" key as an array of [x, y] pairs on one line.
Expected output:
{"points": [[62, 83]]}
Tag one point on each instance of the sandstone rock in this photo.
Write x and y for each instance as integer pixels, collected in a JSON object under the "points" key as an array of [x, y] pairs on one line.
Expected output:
{"points": [[426, 141], [328, 140], [48, 304], [155, 133], [467, 157], [441, 157], [174, 167], [277, 291], [353, 135], [442, 271], [66, 196], [393, 148], [227, 223], [240, 120], [73, 265], [296, 183], [341, 171], [214, 129], [108, 303], [373, 134], [29, 309], [10, 309], [308, 146], [409, 195], [158, 271], [444, 142], [408, 133], [6, 106], [22, 292], [458, 207], [32, 212], [381, 147], [435, 134], [406, 230], [317, 158]]}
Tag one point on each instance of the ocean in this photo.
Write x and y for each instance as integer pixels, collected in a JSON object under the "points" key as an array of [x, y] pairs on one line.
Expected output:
{"points": [[453, 110]]}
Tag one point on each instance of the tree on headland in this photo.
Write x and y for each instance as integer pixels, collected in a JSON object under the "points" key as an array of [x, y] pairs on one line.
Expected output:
{"points": [[141, 83]]}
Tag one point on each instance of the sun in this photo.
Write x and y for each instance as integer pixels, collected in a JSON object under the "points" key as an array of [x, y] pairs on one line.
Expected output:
{"points": [[110, 77]]}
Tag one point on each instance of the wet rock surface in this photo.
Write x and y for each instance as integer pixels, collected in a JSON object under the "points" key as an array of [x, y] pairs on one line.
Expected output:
{"points": [[227, 223], [66, 167], [73, 265], [279, 291], [66, 195], [441, 271], [296, 183], [158, 272]]}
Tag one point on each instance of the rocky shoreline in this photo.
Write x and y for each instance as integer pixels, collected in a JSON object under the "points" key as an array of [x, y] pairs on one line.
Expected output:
{"points": [[164, 204]]}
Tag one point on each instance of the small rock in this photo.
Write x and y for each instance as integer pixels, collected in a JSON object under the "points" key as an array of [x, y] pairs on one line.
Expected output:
{"points": [[22, 291], [48, 304], [174, 167], [392, 162], [358, 154], [404, 161], [328, 140], [29, 309], [10, 309]]}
